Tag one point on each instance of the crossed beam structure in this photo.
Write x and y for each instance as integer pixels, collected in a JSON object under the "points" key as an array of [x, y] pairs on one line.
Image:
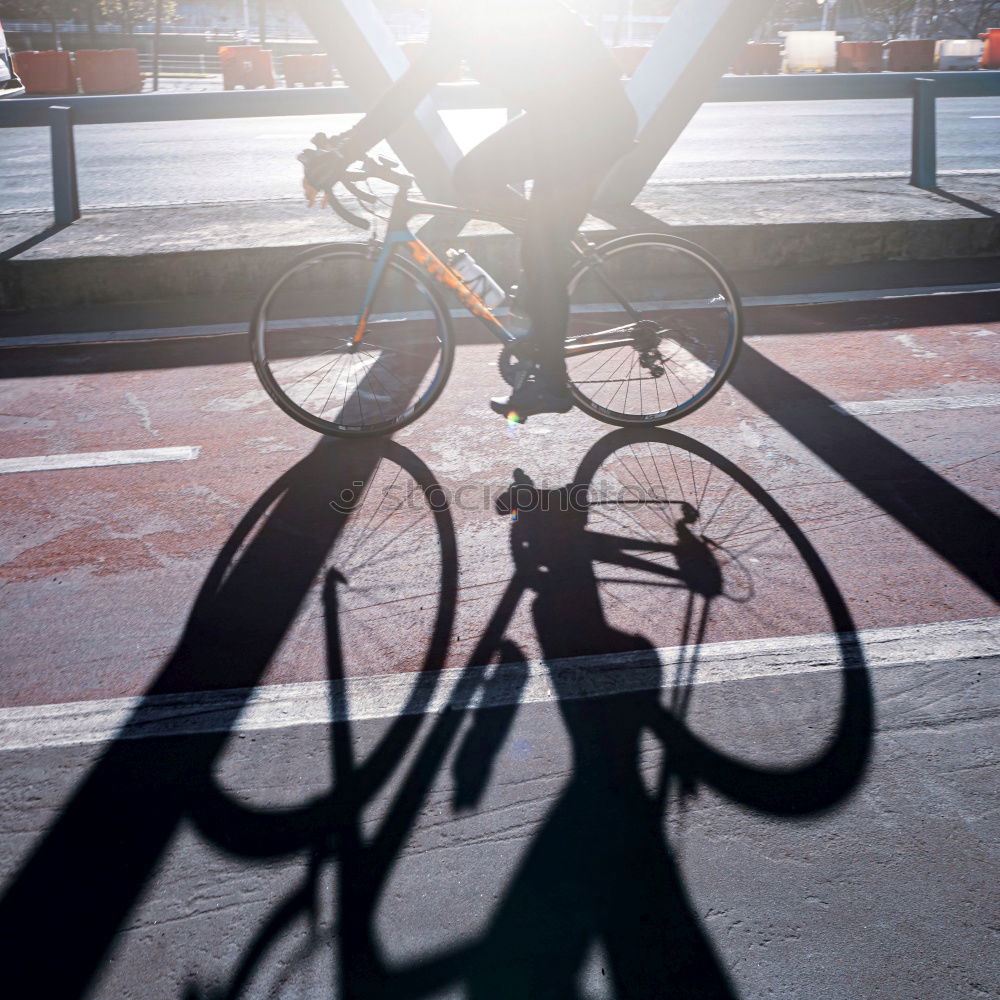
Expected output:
{"points": [[693, 50]]}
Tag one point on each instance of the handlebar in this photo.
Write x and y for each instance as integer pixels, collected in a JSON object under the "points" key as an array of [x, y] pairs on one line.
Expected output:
{"points": [[380, 167]]}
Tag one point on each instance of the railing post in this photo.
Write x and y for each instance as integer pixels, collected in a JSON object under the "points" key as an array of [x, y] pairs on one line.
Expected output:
{"points": [[65, 196], [923, 171]]}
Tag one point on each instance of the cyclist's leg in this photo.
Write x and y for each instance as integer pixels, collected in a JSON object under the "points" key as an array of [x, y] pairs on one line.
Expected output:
{"points": [[567, 155], [483, 177], [555, 211], [571, 160]]}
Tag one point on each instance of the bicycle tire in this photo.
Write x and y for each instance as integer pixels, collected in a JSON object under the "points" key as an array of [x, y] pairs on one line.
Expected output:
{"points": [[697, 295], [282, 327]]}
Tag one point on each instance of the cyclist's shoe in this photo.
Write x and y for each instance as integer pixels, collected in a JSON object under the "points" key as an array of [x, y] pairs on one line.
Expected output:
{"points": [[530, 397]]}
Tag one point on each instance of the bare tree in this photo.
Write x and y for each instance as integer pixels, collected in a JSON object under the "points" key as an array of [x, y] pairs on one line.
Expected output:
{"points": [[966, 18], [128, 13], [51, 11], [893, 18]]}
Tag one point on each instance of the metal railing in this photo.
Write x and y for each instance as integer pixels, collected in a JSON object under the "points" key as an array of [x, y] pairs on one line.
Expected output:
{"points": [[61, 115], [184, 65]]}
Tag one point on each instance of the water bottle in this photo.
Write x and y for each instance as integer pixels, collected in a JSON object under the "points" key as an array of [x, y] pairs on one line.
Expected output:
{"points": [[477, 280]]}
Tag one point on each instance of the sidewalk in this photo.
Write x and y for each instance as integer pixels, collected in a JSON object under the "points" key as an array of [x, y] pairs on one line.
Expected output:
{"points": [[164, 252]]}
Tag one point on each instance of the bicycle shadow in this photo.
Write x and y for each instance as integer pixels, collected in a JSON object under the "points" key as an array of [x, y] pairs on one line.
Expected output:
{"points": [[600, 867]]}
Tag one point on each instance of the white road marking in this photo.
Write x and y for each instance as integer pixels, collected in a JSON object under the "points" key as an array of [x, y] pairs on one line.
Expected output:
{"points": [[94, 459], [872, 407], [387, 697], [909, 342], [981, 117]]}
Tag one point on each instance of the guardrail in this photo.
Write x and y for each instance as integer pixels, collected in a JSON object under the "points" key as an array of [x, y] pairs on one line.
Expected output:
{"points": [[61, 115]]}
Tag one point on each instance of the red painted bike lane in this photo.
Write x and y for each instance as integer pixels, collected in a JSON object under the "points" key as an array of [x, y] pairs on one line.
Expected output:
{"points": [[879, 444]]}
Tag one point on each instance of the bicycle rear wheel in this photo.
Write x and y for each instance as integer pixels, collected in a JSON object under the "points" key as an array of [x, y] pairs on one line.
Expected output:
{"points": [[302, 342], [655, 328]]}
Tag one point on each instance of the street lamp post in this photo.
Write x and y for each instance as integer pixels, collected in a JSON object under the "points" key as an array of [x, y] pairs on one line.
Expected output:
{"points": [[158, 25], [829, 19]]}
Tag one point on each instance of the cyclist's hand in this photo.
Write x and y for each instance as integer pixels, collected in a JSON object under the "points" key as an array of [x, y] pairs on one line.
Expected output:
{"points": [[325, 142], [321, 170]]}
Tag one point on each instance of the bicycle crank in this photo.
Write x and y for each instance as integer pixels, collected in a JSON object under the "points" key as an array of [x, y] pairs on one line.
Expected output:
{"points": [[514, 370]]}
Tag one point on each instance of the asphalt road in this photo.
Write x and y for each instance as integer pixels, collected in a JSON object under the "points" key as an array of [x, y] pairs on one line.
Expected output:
{"points": [[725, 800], [169, 163]]}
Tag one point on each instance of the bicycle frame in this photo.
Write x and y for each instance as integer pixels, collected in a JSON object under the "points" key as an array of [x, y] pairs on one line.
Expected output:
{"points": [[400, 238]]}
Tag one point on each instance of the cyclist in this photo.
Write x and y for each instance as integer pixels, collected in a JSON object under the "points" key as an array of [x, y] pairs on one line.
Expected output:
{"points": [[576, 122]]}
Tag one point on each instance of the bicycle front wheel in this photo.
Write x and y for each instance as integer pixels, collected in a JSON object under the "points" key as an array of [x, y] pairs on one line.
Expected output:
{"points": [[655, 328], [311, 362]]}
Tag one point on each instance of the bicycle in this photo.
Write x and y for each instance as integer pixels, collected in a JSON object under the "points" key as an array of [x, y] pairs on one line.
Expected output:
{"points": [[356, 339]]}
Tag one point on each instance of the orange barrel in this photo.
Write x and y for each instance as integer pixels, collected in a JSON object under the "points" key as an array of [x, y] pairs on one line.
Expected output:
{"points": [[108, 71], [45, 72], [246, 66], [860, 57], [757, 58], [308, 69], [910, 55], [629, 57], [991, 50]]}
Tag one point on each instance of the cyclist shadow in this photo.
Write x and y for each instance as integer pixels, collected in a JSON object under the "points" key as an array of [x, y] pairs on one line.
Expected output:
{"points": [[600, 870]]}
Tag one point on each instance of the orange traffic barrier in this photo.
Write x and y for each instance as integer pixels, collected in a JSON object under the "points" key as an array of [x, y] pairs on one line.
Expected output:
{"points": [[991, 50], [246, 66], [307, 68], [629, 57], [910, 55], [45, 72], [108, 71], [757, 58], [860, 57]]}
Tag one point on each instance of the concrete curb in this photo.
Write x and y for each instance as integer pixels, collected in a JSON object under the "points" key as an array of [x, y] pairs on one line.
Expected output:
{"points": [[108, 279]]}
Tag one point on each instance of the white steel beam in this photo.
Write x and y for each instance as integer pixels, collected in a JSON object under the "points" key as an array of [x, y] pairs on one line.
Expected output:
{"points": [[368, 58], [695, 47]]}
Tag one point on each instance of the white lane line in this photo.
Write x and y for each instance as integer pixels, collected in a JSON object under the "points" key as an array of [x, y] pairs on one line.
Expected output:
{"points": [[95, 459], [872, 407], [982, 117], [387, 697]]}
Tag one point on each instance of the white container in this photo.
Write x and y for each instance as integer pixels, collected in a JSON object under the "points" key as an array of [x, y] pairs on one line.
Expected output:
{"points": [[958, 53], [810, 51]]}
